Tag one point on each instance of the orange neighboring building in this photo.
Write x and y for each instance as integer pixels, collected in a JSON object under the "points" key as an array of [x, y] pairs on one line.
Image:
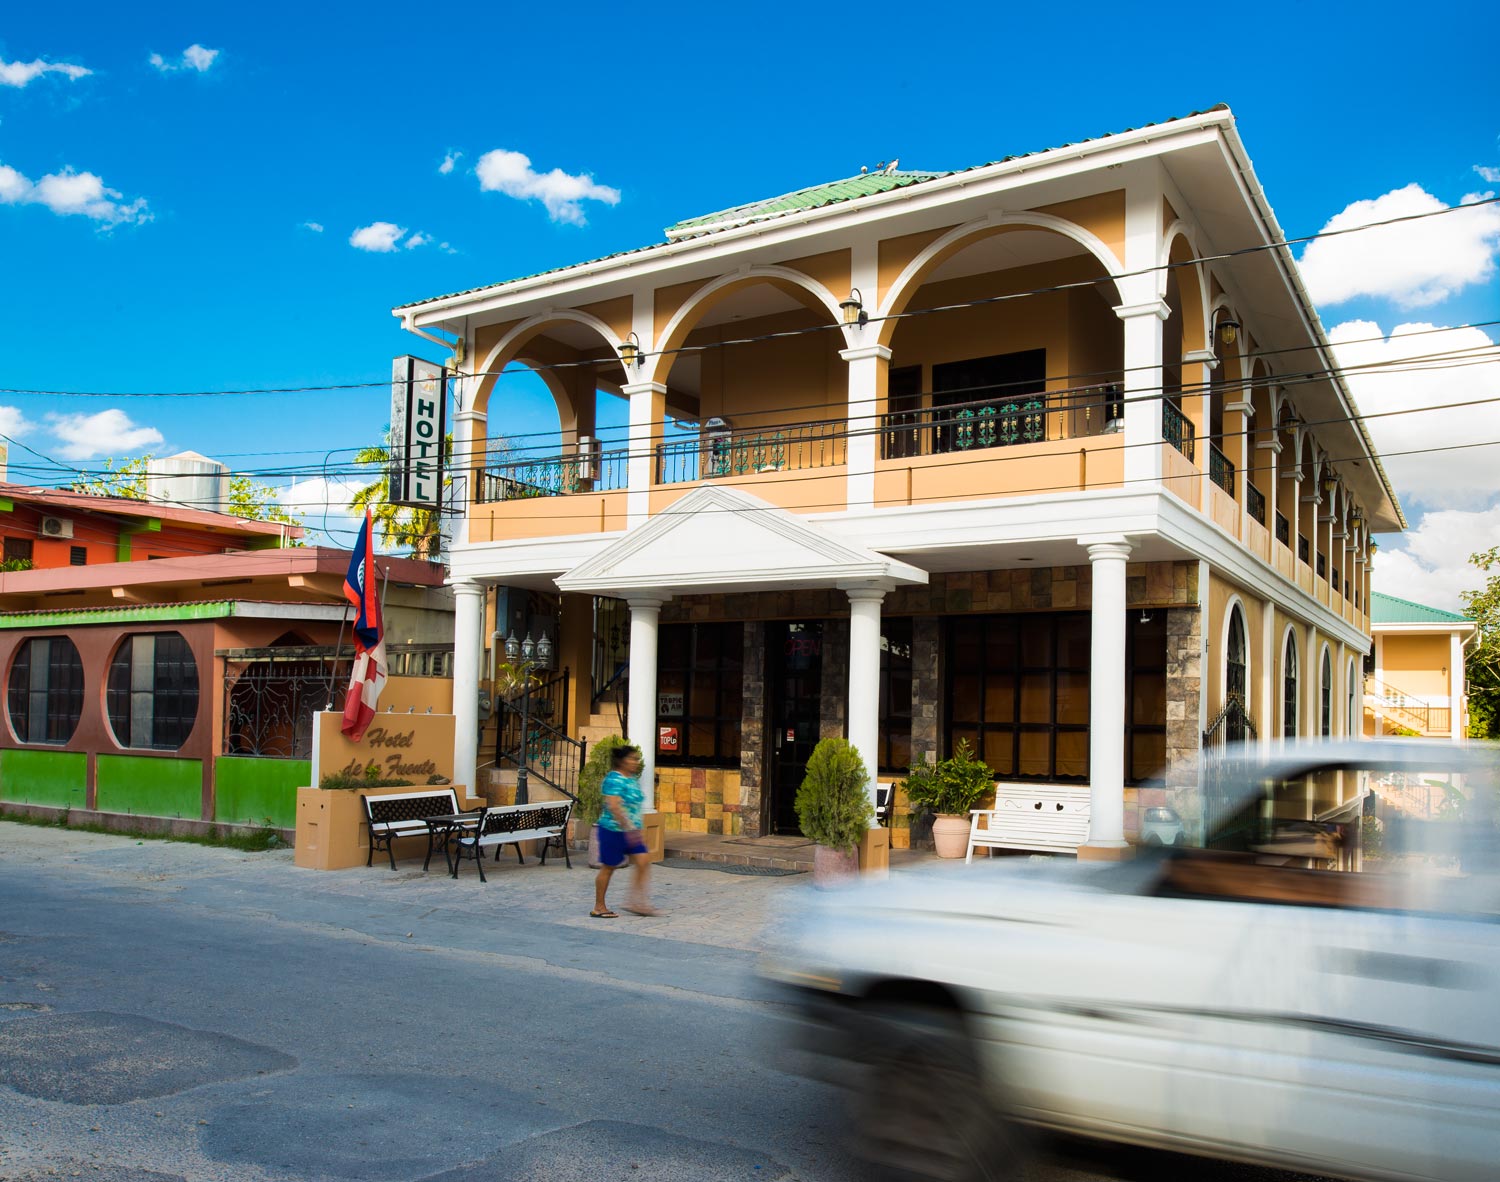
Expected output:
{"points": [[45, 528]]}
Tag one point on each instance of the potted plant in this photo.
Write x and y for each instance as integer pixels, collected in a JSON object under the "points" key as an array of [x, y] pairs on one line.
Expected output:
{"points": [[834, 809], [950, 788]]}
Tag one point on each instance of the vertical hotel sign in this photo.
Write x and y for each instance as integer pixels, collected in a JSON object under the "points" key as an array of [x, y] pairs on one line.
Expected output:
{"points": [[418, 423]]}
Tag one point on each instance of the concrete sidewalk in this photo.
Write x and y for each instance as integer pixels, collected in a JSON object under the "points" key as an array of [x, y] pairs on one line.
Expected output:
{"points": [[702, 905]]}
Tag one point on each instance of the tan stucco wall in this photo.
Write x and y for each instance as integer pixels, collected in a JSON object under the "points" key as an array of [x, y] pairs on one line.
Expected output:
{"points": [[1416, 665]]}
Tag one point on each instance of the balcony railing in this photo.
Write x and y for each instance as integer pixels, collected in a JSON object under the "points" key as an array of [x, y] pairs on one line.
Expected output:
{"points": [[1220, 469], [555, 476], [1283, 531], [735, 453], [1027, 418], [1255, 501], [1177, 430]]}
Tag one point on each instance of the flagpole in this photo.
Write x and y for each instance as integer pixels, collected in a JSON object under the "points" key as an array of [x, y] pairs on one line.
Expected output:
{"points": [[333, 672]]}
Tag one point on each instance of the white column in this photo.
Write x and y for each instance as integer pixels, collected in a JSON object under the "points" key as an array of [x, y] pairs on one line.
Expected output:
{"points": [[468, 643], [864, 676], [1455, 687], [645, 622], [866, 369], [1107, 700], [1143, 390], [469, 438], [644, 398]]}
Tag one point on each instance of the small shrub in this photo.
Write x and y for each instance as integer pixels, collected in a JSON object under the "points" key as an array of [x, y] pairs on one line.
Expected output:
{"points": [[591, 780], [833, 803], [951, 787], [341, 780]]}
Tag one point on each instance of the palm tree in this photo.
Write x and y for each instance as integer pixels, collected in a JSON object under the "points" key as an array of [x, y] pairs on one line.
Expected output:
{"points": [[399, 525]]}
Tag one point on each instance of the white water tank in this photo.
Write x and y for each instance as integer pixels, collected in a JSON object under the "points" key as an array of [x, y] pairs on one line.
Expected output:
{"points": [[189, 480]]}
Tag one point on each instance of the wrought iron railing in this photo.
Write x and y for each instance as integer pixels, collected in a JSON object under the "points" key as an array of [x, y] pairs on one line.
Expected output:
{"points": [[1177, 429], [1407, 710], [1023, 418], [549, 753], [611, 647], [271, 696], [1255, 502], [555, 476], [1220, 469], [735, 453], [1283, 531]]}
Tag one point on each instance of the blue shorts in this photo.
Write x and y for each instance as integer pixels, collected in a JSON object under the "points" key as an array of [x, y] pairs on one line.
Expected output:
{"points": [[615, 847]]}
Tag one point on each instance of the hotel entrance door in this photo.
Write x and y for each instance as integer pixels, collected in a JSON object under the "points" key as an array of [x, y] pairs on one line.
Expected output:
{"points": [[795, 656]]}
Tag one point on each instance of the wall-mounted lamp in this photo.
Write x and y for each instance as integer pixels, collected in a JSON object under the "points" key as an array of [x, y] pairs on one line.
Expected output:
{"points": [[1330, 484], [853, 308], [1291, 422], [1229, 331], [1145, 616], [630, 352]]}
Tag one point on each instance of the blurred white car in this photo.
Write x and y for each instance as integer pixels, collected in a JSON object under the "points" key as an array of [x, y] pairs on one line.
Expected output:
{"points": [[1162, 826], [1255, 1003]]}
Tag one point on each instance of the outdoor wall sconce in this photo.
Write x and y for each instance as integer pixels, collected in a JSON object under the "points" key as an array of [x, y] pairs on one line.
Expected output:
{"points": [[630, 354], [1229, 331], [854, 308]]}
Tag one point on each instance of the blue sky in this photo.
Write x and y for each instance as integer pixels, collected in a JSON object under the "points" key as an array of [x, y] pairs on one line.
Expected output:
{"points": [[157, 212]]}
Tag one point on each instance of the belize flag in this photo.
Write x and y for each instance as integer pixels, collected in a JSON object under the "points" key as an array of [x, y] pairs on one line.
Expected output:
{"points": [[369, 637]]}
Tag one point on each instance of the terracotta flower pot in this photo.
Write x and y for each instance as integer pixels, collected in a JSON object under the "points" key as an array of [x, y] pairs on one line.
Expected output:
{"points": [[950, 835], [833, 867]]}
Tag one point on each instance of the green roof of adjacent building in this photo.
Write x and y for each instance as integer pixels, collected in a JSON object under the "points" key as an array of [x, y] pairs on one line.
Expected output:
{"points": [[866, 184], [1387, 609]]}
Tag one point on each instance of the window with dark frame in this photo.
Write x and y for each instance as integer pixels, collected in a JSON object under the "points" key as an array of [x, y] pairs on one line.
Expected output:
{"points": [[151, 694], [1146, 695], [78, 556], [1289, 688], [895, 695], [46, 690], [1235, 675], [1326, 689], [18, 550], [700, 679]]}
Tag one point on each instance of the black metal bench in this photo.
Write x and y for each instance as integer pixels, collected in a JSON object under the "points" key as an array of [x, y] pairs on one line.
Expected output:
{"points": [[401, 815], [514, 823]]}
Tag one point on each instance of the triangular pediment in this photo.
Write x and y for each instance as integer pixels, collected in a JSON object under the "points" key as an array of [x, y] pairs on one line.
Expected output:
{"points": [[719, 538]]}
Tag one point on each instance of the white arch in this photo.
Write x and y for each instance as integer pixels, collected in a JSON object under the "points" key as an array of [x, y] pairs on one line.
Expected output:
{"points": [[1235, 602], [806, 282], [1041, 221], [527, 328], [1180, 229]]}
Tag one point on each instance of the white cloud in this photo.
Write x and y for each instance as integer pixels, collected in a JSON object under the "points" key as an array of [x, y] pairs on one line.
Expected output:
{"points": [[315, 227], [1437, 479], [416, 240], [18, 74], [324, 507], [503, 171], [1414, 263], [195, 57], [449, 161], [379, 237], [109, 432], [13, 422], [1432, 565], [1489, 175], [70, 192]]}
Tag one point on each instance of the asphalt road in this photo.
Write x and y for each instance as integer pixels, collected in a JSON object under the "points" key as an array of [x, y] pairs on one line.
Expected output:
{"points": [[175, 1012]]}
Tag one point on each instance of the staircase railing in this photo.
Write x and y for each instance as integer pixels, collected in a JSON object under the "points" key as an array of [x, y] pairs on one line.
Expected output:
{"points": [[1407, 710], [551, 755]]}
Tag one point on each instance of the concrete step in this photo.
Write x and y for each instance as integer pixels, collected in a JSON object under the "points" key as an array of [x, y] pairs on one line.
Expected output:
{"points": [[701, 847]]}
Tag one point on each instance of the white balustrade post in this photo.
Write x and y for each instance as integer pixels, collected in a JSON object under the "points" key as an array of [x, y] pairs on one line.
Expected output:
{"points": [[645, 623], [1107, 704], [864, 677], [647, 410], [468, 643]]}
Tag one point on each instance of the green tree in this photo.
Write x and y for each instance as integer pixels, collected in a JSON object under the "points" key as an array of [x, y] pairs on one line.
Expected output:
{"points": [[399, 525], [250, 499], [120, 478], [1482, 666]]}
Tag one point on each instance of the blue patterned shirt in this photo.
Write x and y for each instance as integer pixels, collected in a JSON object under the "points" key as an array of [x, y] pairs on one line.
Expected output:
{"points": [[628, 789]]}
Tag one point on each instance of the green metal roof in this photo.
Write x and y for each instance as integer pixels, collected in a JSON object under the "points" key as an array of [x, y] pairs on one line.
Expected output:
{"points": [[1387, 609], [848, 189]]}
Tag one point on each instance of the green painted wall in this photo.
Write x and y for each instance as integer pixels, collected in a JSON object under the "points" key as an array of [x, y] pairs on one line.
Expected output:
{"points": [[249, 790], [55, 778], [150, 787]]}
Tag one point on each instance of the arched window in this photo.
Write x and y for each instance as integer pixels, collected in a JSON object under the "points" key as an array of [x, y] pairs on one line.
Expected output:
{"points": [[1234, 676], [1289, 688], [46, 690], [152, 692], [1353, 723], [1325, 713]]}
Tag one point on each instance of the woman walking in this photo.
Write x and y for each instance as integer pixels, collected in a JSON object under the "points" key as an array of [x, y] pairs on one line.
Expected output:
{"points": [[620, 836]]}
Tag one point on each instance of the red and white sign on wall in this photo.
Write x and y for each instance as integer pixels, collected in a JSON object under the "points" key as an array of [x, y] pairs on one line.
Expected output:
{"points": [[666, 738]]}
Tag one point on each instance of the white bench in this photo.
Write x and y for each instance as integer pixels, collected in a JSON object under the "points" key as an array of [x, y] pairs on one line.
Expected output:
{"points": [[400, 814], [1052, 818], [545, 822]]}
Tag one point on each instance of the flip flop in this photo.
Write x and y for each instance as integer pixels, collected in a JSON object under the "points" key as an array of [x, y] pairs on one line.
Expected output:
{"points": [[605, 914]]}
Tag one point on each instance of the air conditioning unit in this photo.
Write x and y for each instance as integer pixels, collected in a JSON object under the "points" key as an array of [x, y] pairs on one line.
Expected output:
{"points": [[56, 527]]}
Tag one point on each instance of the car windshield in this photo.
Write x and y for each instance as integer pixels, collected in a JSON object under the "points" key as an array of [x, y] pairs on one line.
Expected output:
{"points": [[1424, 820]]}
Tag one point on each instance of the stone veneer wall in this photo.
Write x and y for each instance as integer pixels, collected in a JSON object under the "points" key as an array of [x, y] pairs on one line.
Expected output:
{"points": [[701, 800], [747, 810], [833, 694], [1184, 721]]}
